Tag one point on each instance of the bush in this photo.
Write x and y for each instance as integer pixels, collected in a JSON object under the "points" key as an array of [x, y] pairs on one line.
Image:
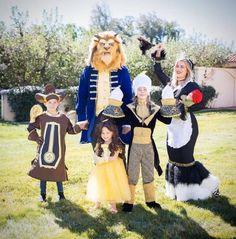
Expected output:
{"points": [[71, 94], [21, 103], [156, 95], [209, 94]]}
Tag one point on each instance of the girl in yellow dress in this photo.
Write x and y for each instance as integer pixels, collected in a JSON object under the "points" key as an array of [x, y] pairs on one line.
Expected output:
{"points": [[108, 181]]}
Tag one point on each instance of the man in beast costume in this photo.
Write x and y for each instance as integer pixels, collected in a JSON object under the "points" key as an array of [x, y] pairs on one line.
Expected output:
{"points": [[105, 71]]}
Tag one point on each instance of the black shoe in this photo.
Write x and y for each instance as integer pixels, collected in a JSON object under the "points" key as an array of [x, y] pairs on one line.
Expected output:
{"points": [[61, 196], [216, 193], [153, 205], [42, 197], [127, 207]]}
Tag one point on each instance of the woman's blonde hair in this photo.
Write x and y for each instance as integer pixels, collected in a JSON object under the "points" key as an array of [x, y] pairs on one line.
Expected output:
{"points": [[189, 76]]}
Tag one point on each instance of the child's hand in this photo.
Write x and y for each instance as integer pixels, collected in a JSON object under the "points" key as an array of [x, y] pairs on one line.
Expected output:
{"points": [[83, 126], [126, 129], [39, 140], [114, 157]]}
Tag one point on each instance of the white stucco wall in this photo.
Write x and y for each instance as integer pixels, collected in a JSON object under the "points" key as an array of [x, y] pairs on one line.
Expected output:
{"points": [[224, 82], [6, 113]]}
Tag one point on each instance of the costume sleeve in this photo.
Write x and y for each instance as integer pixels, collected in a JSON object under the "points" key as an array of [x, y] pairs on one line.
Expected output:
{"points": [[126, 121], [163, 78], [128, 116], [165, 120], [197, 98], [195, 107], [73, 129], [32, 129], [82, 95], [126, 85]]}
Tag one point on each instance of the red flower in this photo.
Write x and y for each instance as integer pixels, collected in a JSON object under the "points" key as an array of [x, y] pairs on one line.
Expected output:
{"points": [[196, 96]]}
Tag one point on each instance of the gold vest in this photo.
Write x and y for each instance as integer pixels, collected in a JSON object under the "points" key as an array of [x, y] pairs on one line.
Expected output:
{"points": [[142, 135], [103, 91]]}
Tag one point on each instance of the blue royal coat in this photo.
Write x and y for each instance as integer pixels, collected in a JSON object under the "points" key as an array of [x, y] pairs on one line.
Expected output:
{"points": [[87, 95]]}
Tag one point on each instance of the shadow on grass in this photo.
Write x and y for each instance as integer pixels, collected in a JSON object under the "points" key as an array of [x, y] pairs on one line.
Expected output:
{"points": [[220, 206], [77, 220], [142, 221], [162, 224]]}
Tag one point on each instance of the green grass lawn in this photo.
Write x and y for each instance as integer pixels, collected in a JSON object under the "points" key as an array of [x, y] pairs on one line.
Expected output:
{"points": [[22, 216]]}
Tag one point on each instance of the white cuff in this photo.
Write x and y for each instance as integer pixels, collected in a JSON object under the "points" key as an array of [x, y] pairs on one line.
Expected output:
{"points": [[82, 122], [126, 125]]}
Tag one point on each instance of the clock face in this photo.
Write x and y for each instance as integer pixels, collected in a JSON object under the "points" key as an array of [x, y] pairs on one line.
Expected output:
{"points": [[49, 157]]}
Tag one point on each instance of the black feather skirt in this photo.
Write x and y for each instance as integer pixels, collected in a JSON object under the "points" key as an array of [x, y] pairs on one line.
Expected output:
{"points": [[186, 178]]}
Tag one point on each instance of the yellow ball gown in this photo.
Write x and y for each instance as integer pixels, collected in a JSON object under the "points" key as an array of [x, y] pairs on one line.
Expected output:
{"points": [[108, 180]]}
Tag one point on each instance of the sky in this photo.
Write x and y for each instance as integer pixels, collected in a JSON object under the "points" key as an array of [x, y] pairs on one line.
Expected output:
{"points": [[214, 19]]}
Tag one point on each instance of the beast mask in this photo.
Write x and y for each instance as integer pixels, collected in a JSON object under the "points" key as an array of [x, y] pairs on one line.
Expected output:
{"points": [[106, 52]]}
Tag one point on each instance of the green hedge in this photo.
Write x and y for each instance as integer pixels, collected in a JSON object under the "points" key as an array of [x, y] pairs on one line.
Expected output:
{"points": [[71, 94], [21, 102], [209, 94]]}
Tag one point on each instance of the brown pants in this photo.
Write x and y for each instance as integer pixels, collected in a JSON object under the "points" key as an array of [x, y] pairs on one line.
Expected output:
{"points": [[141, 155]]}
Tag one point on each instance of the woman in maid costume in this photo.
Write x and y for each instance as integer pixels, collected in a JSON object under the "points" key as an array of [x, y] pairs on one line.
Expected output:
{"points": [[186, 179]]}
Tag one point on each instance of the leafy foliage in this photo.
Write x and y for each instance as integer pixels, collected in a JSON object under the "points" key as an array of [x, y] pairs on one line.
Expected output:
{"points": [[40, 54], [53, 52], [21, 103], [71, 94], [56, 53], [209, 94]]}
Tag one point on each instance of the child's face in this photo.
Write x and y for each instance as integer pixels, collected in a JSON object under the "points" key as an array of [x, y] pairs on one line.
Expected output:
{"points": [[52, 105], [142, 93], [106, 134]]}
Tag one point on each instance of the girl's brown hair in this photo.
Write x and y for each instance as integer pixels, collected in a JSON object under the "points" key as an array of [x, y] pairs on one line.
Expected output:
{"points": [[115, 144]]}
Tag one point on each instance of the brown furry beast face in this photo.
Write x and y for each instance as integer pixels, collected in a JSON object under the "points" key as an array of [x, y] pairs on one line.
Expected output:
{"points": [[107, 49], [106, 52]]}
